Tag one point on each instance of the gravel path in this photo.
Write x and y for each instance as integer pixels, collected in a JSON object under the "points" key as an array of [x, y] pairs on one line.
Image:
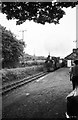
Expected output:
{"points": [[43, 98]]}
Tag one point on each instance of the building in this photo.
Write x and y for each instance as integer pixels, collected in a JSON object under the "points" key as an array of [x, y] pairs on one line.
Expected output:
{"points": [[71, 57], [74, 55]]}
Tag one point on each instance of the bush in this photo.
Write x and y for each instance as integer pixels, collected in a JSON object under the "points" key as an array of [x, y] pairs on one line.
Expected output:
{"points": [[19, 73]]}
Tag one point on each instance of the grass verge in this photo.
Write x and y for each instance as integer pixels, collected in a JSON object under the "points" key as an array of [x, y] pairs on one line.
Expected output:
{"points": [[15, 74]]}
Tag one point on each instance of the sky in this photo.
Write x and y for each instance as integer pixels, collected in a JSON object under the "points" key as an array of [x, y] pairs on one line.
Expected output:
{"points": [[49, 38]]}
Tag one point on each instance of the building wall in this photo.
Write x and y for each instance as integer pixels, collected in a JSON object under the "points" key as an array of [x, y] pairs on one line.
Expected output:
{"points": [[68, 63]]}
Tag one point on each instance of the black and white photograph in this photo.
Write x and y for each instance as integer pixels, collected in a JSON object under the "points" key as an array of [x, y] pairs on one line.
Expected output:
{"points": [[39, 59]]}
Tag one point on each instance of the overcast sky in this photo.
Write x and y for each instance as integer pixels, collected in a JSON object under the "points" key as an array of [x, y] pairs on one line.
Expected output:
{"points": [[42, 39]]}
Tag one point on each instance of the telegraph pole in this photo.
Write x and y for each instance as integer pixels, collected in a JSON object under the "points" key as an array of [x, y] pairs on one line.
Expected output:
{"points": [[75, 42], [22, 34]]}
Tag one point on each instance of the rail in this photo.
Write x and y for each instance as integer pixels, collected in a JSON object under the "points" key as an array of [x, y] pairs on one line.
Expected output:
{"points": [[20, 83]]}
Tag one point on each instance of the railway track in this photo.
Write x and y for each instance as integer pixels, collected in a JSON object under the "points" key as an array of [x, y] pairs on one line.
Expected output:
{"points": [[20, 83]]}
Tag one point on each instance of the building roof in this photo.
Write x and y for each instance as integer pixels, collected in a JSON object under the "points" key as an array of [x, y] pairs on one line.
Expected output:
{"points": [[73, 55]]}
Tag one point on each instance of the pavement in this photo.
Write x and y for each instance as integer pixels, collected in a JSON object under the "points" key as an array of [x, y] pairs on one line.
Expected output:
{"points": [[43, 98]]}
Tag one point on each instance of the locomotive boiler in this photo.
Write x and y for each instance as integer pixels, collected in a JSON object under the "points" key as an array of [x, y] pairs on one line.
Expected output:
{"points": [[52, 63]]}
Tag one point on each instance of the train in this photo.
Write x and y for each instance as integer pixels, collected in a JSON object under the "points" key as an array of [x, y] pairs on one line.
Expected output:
{"points": [[54, 63]]}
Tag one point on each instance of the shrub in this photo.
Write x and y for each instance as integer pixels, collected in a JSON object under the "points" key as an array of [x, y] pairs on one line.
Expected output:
{"points": [[19, 73]]}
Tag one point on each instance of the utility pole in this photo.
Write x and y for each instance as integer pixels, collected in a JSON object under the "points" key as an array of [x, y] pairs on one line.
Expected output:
{"points": [[75, 42], [22, 34], [25, 44]]}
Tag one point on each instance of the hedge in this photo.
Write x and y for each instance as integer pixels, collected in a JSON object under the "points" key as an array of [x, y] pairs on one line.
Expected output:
{"points": [[9, 75]]}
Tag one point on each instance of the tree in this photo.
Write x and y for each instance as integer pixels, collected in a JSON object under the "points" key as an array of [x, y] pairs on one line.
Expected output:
{"points": [[12, 49], [39, 12]]}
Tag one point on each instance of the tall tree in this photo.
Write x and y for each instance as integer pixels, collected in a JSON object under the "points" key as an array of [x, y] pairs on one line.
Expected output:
{"points": [[39, 12], [12, 49]]}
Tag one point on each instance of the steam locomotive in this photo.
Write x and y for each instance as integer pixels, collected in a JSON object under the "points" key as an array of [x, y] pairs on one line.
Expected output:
{"points": [[53, 63]]}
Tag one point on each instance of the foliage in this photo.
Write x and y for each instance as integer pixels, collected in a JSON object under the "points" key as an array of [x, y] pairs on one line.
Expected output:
{"points": [[12, 49], [16, 74], [39, 12]]}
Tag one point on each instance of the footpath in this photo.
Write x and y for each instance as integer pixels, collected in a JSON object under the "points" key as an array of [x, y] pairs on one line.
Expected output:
{"points": [[43, 98]]}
